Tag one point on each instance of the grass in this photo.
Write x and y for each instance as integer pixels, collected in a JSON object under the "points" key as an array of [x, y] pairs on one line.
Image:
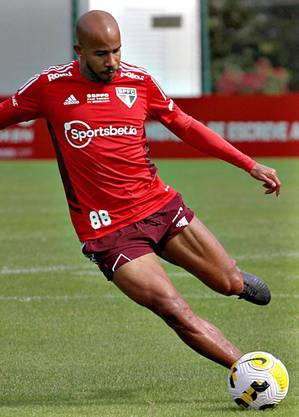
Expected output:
{"points": [[73, 346]]}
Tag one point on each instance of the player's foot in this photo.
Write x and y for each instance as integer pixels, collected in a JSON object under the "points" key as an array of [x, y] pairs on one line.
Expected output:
{"points": [[255, 290]]}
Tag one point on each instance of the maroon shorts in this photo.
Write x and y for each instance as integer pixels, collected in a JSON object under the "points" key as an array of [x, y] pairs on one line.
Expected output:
{"points": [[145, 236]]}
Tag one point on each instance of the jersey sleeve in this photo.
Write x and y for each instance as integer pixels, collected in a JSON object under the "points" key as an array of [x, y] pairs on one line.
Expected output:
{"points": [[24, 105], [163, 108], [191, 131]]}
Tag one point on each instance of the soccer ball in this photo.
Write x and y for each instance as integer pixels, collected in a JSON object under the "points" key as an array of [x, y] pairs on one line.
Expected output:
{"points": [[258, 380]]}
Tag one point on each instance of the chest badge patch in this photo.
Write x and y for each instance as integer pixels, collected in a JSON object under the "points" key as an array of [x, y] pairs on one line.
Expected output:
{"points": [[127, 95]]}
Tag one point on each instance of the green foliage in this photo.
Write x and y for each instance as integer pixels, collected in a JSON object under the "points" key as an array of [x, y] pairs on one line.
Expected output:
{"points": [[263, 78], [241, 35]]}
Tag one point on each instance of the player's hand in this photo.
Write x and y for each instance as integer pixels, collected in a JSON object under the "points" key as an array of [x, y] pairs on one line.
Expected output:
{"points": [[268, 176]]}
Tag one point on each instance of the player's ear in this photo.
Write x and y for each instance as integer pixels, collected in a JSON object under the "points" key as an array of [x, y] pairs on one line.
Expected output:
{"points": [[77, 49]]}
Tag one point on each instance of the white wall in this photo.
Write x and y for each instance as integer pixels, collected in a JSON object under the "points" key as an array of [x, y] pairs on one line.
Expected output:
{"points": [[33, 35], [172, 55]]}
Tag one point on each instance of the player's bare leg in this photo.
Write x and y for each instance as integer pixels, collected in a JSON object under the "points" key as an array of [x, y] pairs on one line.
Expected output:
{"points": [[146, 282], [199, 252]]}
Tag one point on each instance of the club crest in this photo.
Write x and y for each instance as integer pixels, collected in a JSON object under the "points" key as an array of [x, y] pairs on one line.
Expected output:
{"points": [[127, 95]]}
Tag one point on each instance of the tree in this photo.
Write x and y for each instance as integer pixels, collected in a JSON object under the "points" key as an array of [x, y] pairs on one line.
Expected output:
{"points": [[243, 37]]}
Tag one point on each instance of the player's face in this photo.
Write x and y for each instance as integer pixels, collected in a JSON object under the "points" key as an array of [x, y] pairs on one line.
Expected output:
{"points": [[100, 60]]}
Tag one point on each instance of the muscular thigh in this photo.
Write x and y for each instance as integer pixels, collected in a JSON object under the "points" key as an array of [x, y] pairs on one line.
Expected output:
{"points": [[198, 251], [145, 281]]}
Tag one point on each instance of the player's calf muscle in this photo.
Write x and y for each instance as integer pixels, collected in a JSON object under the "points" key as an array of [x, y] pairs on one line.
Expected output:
{"points": [[176, 313], [198, 334]]}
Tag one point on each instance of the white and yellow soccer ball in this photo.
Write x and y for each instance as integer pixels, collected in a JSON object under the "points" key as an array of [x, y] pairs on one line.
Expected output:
{"points": [[258, 380]]}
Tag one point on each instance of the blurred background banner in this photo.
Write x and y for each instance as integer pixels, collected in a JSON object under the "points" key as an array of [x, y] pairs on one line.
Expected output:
{"points": [[27, 140], [257, 125], [261, 125], [231, 64]]}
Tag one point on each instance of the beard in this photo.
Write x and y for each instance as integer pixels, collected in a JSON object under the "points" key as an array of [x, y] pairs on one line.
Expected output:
{"points": [[103, 76]]}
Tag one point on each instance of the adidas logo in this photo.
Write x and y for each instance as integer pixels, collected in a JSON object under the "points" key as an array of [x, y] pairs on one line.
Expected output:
{"points": [[182, 222], [71, 100]]}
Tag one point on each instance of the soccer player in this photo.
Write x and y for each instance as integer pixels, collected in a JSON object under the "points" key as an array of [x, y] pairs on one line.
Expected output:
{"points": [[122, 211]]}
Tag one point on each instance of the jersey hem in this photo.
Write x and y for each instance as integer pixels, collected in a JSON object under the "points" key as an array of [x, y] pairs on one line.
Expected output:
{"points": [[171, 195]]}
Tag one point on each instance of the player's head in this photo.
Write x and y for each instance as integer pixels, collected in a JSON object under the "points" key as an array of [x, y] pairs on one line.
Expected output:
{"points": [[98, 45]]}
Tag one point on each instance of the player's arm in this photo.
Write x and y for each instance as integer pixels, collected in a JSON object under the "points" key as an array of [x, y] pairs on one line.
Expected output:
{"points": [[204, 139], [24, 105], [9, 115]]}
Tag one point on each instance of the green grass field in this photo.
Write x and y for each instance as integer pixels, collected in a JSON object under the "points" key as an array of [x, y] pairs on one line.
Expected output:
{"points": [[73, 346]]}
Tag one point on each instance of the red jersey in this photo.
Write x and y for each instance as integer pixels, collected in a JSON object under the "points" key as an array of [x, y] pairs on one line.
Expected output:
{"points": [[97, 129]]}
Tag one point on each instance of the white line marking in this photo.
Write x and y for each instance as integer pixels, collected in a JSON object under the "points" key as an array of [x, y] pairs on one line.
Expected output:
{"points": [[257, 256], [94, 272], [5, 270], [80, 297], [30, 298], [265, 256], [60, 268], [38, 236]]}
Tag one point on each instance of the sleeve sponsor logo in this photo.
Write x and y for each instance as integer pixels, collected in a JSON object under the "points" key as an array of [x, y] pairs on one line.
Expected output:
{"points": [[55, 75], [132, 76], [79, 134], [127, 95], [14, 101]]}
